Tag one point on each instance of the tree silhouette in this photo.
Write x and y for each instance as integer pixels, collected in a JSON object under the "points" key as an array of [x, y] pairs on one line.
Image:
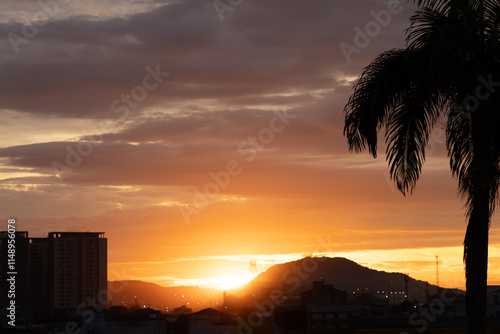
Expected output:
{"points": [[450, 68]]}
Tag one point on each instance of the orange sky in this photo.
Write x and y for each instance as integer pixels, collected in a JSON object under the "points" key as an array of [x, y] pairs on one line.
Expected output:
{"points": [[197, 144]]}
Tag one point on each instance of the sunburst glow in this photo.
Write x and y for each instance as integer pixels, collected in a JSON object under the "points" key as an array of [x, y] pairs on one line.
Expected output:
{"points": [[233, 281]]}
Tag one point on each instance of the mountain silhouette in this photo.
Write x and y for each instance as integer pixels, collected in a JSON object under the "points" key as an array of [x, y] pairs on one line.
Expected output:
{"points": [[128, 293], [343, 274]]}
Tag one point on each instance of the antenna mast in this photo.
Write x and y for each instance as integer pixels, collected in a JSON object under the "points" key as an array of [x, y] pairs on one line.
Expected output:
{"points": [[407, 279], [255, 283]]}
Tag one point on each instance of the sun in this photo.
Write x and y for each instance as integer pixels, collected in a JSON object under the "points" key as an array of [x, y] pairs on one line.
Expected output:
{"points": [[233, 281]]}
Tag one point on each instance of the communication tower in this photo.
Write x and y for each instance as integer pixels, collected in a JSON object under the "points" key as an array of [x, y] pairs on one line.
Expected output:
{"points": [[255, 282], [407, 279]]}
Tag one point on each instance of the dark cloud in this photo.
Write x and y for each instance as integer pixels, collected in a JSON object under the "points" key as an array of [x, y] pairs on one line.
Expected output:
{"points": [[76, 67]]}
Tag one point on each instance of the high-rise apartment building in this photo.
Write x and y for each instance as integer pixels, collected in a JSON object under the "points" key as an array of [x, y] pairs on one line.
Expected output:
{"points": [[77, 263], [66, 270]]}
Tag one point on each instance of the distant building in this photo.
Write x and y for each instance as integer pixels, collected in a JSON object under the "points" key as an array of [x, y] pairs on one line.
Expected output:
{"points": [[312, 319], [211, 321], [323, 294], [182, 310], [135, 325], [141, 321], [494, 303], [323, 309]]}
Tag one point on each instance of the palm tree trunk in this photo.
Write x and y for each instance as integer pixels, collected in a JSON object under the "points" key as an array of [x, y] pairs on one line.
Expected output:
{"points": [[476, 264]]}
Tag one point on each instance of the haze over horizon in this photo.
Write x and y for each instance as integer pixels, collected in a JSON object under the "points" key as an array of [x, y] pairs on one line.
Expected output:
{"points": [[198, 144]]}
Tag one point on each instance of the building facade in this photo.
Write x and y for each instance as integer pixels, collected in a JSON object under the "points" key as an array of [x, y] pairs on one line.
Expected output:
{"points": [[77, 265], [65, 271], [39, 281]]}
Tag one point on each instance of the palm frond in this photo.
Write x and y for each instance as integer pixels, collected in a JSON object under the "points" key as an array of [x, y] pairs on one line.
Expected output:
{"points": [[374, 95], [447, 35], [492, 27], [439, 5], [460, 146], [446, 6], [394, 91], [407, 133]]}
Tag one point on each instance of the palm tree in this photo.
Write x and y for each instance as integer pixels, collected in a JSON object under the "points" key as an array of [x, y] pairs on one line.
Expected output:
{"points": [[450, 69]]}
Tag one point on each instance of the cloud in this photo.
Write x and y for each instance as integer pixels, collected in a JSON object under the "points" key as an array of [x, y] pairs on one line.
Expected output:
{"points": [[238, 59]]}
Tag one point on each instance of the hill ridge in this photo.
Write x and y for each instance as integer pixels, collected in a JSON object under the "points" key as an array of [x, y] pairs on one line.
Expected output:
{"points": [[343, 274]]}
